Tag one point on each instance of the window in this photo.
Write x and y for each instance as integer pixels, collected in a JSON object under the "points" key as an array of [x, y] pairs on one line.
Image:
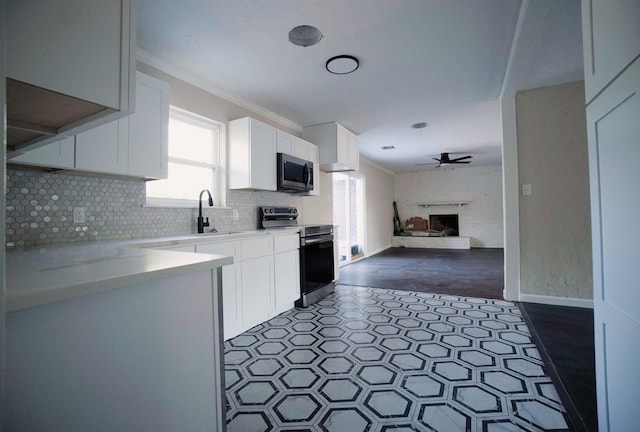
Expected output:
{"points": [[194, 162]]}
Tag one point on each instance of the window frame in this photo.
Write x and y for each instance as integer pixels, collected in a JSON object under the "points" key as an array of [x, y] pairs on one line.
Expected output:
{"points": [[218, 167]]}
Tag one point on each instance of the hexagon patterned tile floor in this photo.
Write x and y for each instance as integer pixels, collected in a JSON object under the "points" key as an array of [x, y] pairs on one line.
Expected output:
{"points": [[371, 359]]}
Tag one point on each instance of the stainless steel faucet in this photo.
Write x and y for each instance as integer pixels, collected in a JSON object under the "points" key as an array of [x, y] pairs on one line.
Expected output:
{"points": [[203, 222]]}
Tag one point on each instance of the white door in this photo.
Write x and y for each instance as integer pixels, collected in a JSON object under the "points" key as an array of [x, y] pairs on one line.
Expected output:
{"points": [[614, 170], [348, 216], [611, 36]]}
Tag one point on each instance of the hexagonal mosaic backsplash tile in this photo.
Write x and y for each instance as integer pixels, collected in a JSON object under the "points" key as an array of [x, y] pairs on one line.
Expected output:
{"points": [[40, 209], [368, 359]]}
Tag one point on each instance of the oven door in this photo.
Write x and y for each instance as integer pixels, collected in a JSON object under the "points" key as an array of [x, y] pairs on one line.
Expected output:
{"points": [[316, 263]]}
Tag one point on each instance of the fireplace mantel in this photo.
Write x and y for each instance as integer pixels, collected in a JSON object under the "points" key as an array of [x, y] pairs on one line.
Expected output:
{"points": [[445, 203]]}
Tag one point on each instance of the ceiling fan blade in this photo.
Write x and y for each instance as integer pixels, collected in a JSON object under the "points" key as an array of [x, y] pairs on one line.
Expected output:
{"points": [[435, 159], [461, 158], [459, 162], [427, 163]]}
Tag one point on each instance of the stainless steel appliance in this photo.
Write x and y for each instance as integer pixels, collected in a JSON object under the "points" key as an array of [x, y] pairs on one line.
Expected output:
{"points": [[316, 252], [294, 174], [316, 263]]}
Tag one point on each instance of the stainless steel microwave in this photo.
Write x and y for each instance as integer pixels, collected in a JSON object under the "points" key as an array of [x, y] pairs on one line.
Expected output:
{"points": [[294, 174]]}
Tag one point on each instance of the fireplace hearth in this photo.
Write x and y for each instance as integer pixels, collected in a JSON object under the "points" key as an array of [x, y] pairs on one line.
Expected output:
{"points": [[447, 224]]}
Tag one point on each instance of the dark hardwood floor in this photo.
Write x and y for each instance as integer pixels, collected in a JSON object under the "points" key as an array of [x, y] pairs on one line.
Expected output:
{"points": [[563, 335], [466, 272]]}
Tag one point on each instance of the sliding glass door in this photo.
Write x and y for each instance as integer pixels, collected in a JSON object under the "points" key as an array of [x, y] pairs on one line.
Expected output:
{"points": [[348, 215]]}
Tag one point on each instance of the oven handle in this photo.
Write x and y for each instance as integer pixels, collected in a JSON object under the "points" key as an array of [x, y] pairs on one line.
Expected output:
{"points": [[304, 241]]}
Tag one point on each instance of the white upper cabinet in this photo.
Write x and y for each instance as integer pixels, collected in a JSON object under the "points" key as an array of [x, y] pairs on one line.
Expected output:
{"points": [[285, 142], [70, 67], [104, 149], [292, 145], [338, 146], [611, 40], [136, 146], [55, 155], [149, 129], [252, 155]]}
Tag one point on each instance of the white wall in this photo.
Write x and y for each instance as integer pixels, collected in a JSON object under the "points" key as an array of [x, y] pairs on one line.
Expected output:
{"points": [[481, 186], [379, 196], [510, 197], [555, 228]]}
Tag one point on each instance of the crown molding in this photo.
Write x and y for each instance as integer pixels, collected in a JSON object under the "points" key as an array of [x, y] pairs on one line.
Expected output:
{"points": [[204, 84]]}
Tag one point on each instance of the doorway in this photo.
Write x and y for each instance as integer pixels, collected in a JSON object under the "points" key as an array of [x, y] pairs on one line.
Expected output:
{"points": [[348, 215]]}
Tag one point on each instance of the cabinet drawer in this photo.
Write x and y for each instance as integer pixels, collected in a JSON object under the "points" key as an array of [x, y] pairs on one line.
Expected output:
{"points": [[257, 247], [222, 248], [286, 243]]}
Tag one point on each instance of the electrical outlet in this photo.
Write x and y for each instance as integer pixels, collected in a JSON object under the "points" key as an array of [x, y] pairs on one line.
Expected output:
{"points": [[236, 215], [79, 215]]}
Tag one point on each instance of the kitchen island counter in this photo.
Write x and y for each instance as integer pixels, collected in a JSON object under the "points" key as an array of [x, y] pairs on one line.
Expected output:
{"points": [[47, 274], [106, 336]]}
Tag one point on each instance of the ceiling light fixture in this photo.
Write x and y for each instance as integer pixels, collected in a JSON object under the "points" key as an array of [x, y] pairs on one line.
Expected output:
{"points": [[342, 64], [305, 35], [420, 125]]}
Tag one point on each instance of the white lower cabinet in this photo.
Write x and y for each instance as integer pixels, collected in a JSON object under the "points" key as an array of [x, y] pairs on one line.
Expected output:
{"points": [[262, 282], [287, 279], [258, 296], [231, 286], [287, 271]]}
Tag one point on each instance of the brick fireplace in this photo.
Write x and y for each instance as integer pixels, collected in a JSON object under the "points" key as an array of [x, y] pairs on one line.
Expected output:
{"points": [[445, 223]]}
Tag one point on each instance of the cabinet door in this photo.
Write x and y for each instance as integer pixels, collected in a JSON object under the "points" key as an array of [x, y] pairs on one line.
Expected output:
{"points": [[77, 48], [342, 146], [262, 156], [353, 160], [232, 300], [55, 155], [284, 142], [287, 279], [104, 149], [611, 40], [300, 148], [258, 302], [231, 286], [148, 129]]}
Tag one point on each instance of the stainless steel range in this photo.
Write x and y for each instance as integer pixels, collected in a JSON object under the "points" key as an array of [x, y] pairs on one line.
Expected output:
{"points": [[316, 252]]}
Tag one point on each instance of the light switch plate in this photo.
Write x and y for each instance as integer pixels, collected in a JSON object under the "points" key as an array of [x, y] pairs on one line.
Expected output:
{"points": [[526, 189]]}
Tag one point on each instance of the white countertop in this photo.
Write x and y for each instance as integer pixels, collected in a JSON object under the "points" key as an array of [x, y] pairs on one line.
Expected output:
{"points": [[46, 274], [210, 237]]}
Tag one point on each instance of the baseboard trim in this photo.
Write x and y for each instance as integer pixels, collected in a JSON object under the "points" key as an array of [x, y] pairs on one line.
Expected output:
{"points": [[557, 301], [377, 251]]}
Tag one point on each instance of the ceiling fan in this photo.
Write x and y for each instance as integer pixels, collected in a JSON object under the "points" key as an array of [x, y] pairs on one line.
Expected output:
{"points": [[445, 160]]}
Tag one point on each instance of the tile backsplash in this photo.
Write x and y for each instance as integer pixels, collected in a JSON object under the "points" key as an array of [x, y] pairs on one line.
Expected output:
{"points": [[40, 207]]}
